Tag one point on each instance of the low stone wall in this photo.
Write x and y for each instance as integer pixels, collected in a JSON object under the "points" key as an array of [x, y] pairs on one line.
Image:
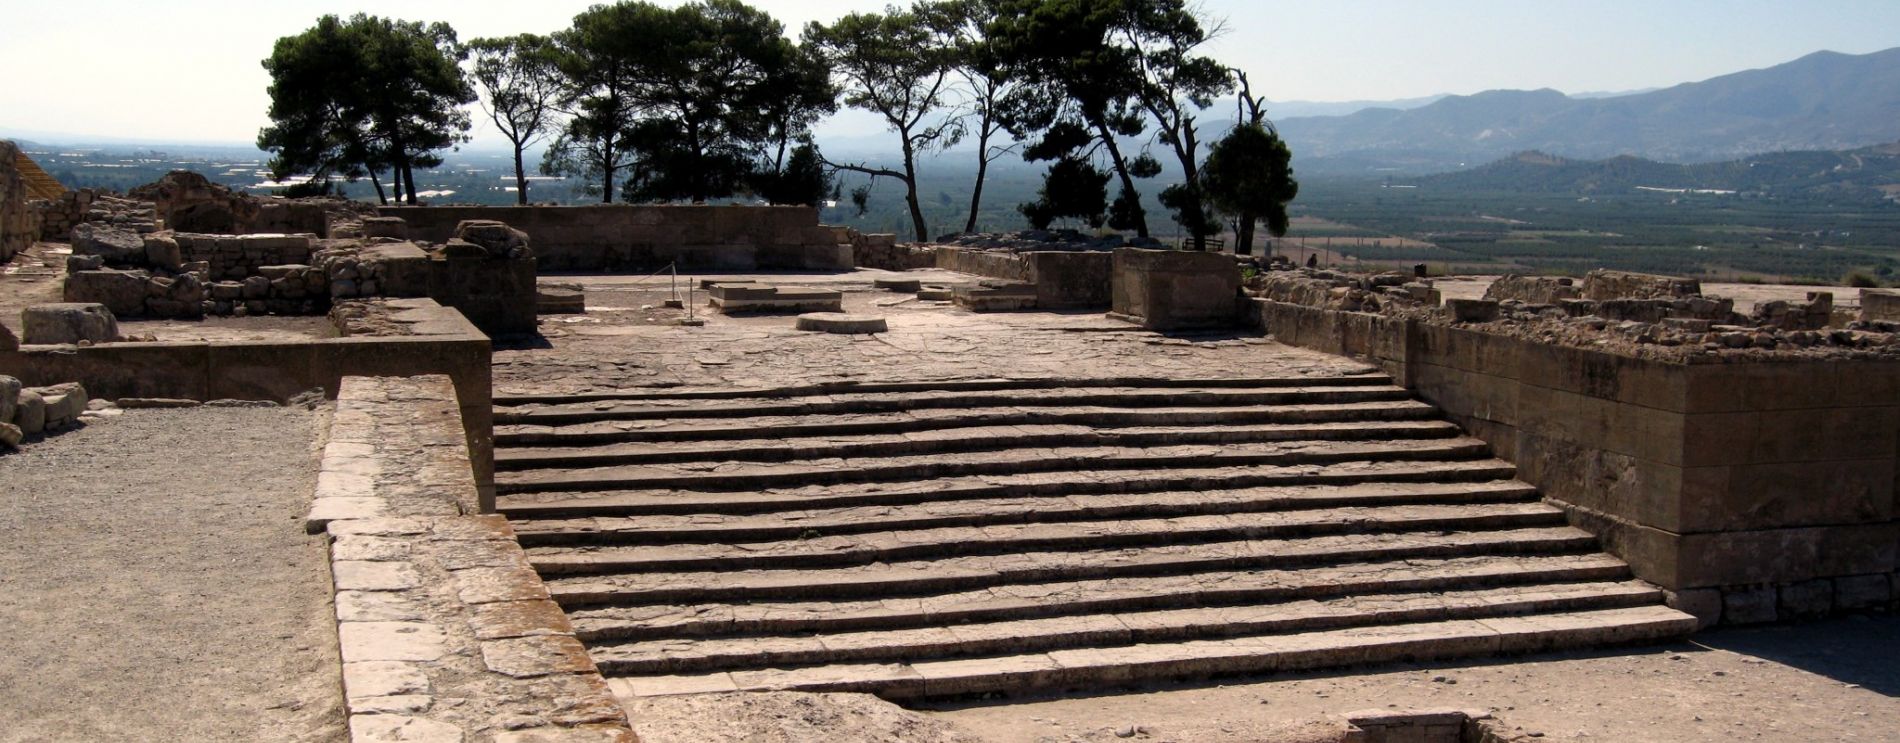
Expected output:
{"points": [[237, 257], [1064, 279], [446, 632], [411, 337], [1754, 491], [613, 237]]}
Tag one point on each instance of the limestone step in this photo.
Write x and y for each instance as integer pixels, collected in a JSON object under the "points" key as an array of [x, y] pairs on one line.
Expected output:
{"points": [[668, 430], [1107, 630], [711, 477], [1113, 595], [988, 384], [1114, 665], [783, 448], [1126, 397], [981, 571], [798, 523], [1099, 487], [601, 552]]}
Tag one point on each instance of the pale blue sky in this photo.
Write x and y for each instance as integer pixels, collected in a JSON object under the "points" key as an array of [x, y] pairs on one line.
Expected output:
{"points": [[188, 69]]}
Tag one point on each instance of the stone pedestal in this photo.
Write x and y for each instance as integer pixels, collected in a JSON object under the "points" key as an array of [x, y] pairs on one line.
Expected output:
{"points": [[1175, 289]]}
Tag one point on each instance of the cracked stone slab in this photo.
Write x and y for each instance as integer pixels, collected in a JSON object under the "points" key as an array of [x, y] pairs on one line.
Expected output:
{"points": [[405, 641]]}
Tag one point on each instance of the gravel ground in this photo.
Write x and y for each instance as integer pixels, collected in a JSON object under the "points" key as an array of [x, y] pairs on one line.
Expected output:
{"points": [[159, 584]]}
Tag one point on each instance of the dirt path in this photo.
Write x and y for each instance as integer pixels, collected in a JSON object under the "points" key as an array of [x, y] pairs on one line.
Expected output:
{"points": [[159, 585], [1835, 680]]}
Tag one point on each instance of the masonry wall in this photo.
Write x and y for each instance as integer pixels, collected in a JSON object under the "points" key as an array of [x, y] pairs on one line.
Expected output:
{"points": [[1755, 491], [19, 224], [615, 237]]}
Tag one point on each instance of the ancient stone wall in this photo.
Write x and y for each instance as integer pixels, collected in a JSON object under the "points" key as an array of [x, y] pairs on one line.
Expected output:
{"points": [[1755, 490], [616, 237], [19, 223]]}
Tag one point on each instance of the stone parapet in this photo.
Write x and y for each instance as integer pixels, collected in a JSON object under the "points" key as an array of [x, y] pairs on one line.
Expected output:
{"points": [[1728, 479], [446, 632]]}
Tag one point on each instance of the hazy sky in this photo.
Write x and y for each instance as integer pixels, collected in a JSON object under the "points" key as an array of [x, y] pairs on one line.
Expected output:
{"points": [[187, 70]]}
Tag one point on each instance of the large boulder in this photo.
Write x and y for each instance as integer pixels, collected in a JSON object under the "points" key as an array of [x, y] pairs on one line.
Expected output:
{"points": [[69, 322], [390, 227], [122, 292], [64, 403], [500, 240], [117, 246], [164, 252]]}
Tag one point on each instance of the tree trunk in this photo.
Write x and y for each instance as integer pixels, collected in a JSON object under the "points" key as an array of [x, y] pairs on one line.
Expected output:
{"points": [[982, 169], [521, 178], [1243, 234], [607, 170], [910, 191], [1128, 182], [395, 184], [409, 179], [378, 183]]}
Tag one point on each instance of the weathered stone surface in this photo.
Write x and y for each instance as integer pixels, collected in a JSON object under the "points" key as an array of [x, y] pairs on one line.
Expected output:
{"points": [[523, 657], [1807, 599], [9, 397], [401, 641], [1532, 289], [122, 292], [1856, 592], [500, 240], [1705, 604], [1472, 310], [504, 619], [377, 728], [389, 227], [1605, 284], [8, 341], [10, 436], [30, 412], [163, 252], [376, 606], [382, 678], [63, 404], [115, 245], [45, 324], [841, 323], [359, 575]]}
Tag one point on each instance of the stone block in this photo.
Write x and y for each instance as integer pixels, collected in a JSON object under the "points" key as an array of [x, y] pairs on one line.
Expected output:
{"points": [[116, 246], [1172, 289], [9, 397], [1805, 600], [8, 341], [390, 641], [395, 728], [10, 436], [122, 292], [1855, 592], [163, 252], [1705, 604], [393, 227], [1605, 284], [30, 412], [1755, 605], [1472, 310], [527, 657]]}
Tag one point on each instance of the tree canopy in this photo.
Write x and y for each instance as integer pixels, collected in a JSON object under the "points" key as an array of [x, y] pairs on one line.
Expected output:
{"points": [[354, 97], [521, 91]]}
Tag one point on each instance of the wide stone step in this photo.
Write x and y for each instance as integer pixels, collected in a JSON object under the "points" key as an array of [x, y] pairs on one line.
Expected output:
{"points": [[781, 448], [901, 422], [1102, 666], [895, 546], [795, 524], [748, 476], [572, 503], [968, 385], [699, 655], [564, 413], [1113, 595], [982, 571]]}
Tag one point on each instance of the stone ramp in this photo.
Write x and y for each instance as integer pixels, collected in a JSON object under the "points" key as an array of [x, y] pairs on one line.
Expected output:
{"points": [[925, 539]]}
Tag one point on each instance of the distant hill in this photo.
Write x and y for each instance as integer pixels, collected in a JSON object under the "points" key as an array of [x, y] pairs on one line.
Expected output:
{"points": [[1823, 101], [1863, 174]]}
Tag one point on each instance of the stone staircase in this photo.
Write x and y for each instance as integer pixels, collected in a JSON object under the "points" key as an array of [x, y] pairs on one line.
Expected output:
{"points": [[39, 184], [956, 538]]}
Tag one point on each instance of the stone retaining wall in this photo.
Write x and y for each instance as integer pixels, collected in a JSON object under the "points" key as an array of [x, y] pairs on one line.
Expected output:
{"points": [[411, 337], [446, 632], [614, 237], [1754, 491]]}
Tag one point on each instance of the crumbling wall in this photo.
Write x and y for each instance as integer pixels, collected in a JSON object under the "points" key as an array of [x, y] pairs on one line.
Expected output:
{"points": [[613, 237], [1606, 284], [1532, 289], [19, 224]]}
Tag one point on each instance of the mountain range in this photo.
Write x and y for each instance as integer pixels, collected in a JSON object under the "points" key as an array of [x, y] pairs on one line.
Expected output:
{"points": [[1823, 101], [1866, 174]]}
